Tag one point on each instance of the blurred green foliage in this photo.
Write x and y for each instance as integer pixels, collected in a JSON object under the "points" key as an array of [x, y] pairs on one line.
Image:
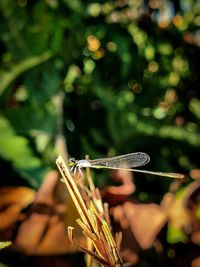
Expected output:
{"points": [[129, 75]]}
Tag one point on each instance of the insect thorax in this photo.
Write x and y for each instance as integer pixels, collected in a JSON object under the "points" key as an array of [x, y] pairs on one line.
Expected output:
{"points": [[72, 162]]}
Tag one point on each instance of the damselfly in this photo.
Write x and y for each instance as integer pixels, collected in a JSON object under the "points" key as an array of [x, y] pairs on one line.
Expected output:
{"points": [[124, 162]]}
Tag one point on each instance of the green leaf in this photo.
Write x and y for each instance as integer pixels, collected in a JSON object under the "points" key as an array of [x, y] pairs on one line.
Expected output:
{"points": [[9, 76], [16, 148], [194, 107], [175, 235], [5, 244]]}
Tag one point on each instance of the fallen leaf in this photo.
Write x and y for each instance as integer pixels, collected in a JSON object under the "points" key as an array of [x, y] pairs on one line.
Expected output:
{"points": [[43, 232], [195, 174], [144, 220], [196, 237], [12, 201], [196, 262], [114, 195]]}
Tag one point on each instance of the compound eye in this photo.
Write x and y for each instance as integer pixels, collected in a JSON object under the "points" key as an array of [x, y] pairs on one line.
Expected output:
{"points": [[71, 162]]}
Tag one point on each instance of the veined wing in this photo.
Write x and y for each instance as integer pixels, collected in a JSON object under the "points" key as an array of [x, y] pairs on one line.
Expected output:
{"points": [[126, 161]]}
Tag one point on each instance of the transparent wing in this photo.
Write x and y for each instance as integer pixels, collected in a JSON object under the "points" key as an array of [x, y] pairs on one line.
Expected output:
{"points": [[126, 161]]}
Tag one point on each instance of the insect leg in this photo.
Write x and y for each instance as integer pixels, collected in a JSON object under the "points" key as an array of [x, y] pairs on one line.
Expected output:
{"points": [[80, 171], [74, 170]]}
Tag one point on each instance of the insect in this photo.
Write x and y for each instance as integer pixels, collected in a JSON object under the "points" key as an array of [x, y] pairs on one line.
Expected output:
{"points": [[124, 162]]}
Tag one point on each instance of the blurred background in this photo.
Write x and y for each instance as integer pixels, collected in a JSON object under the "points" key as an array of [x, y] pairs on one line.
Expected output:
{"points": [[101, 78]]}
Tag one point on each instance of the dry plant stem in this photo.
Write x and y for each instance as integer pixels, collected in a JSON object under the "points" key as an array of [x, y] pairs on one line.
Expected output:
{"points": [[91, 184], [95, 194], [79, 203], [89, 241], [60, 141], [94, 220], [91, 253], [106, 213], [73, 190], [118, 240], [90, 247]]}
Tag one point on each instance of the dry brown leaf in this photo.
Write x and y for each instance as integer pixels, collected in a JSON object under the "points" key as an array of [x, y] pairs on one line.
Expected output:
{"points": [[114, 195], [196, 262], [195, 174], [140, 224], [43, 233], [192, 194], [144, 220], [12, 201], [196, 237]]}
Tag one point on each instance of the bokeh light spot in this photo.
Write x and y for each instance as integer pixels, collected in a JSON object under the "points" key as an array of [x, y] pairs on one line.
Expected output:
{"points": [[112, 47], [153, 66], [94, 9], [93, 43]]}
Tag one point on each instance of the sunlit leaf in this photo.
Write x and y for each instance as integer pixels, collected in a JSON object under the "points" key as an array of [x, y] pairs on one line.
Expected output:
{"points": [[175, 235], [16, 148], [9, 76], [195, 107], [5, 244]]}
